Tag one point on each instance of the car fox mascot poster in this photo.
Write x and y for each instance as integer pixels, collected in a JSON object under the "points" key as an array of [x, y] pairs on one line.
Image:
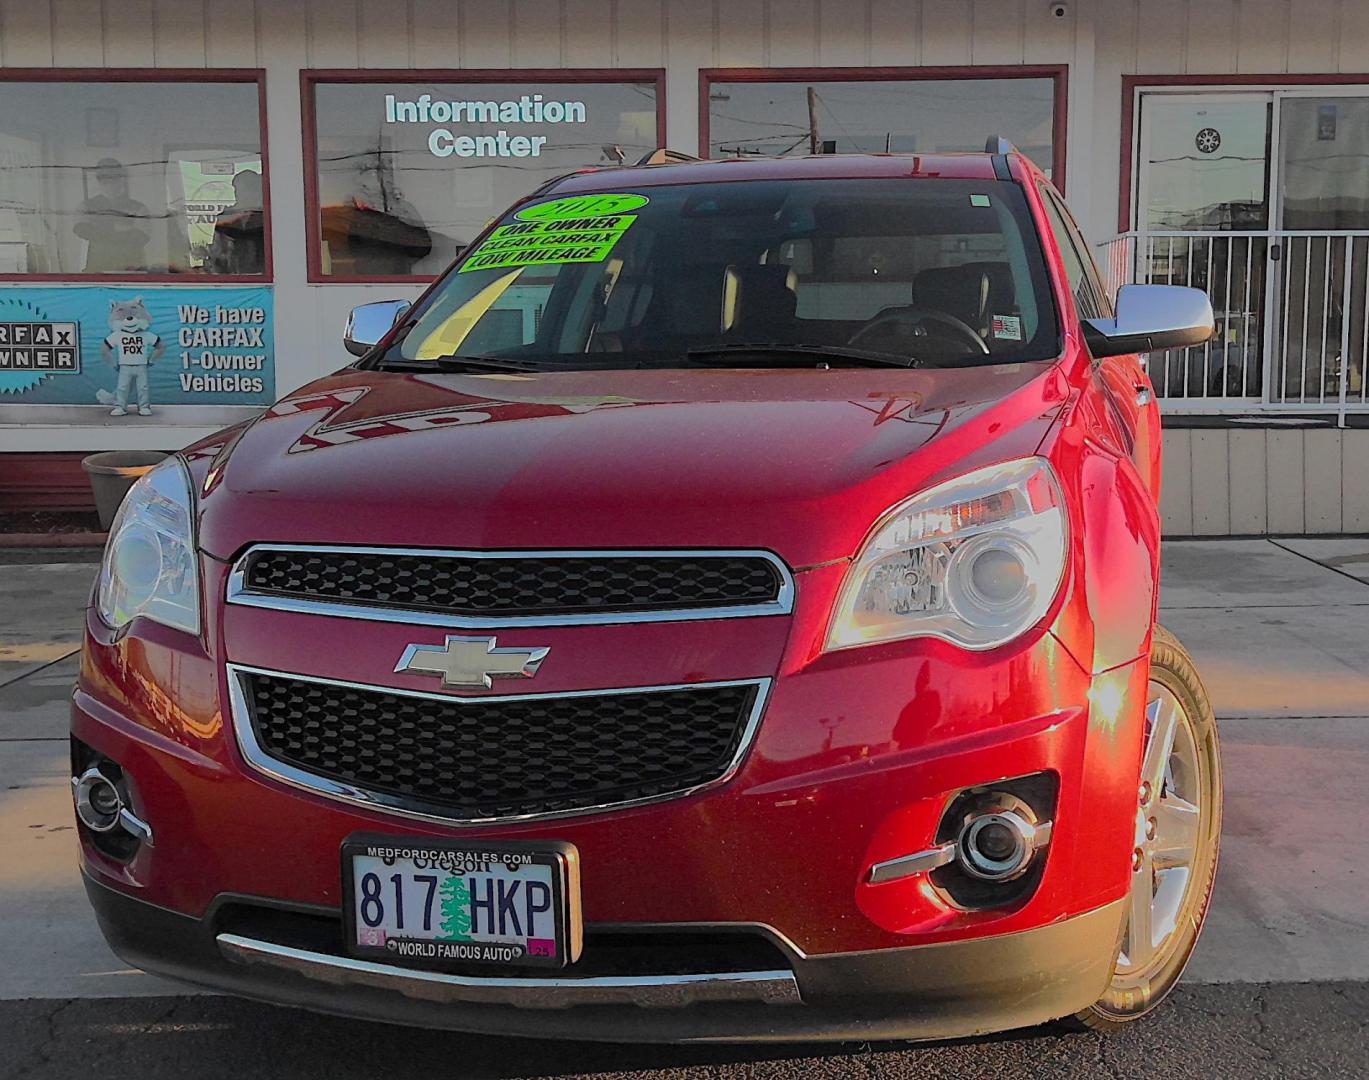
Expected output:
{"points": [[121, 354]]}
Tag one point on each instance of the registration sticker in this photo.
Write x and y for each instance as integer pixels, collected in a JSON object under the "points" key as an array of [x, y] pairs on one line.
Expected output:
{"points": [[1007, 327], [577, 229]]}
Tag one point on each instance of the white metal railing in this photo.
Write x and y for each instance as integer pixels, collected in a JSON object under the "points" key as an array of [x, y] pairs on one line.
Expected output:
{"points": [[1292, 312]]}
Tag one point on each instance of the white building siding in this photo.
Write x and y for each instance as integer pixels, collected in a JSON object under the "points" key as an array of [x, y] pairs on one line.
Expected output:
{"points": [[1224, 481], [682, 36], [1201, 37], [1101, 40], [1253, 481]]}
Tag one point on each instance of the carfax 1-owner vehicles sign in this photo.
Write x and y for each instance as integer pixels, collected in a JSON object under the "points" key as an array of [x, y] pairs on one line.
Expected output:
{"points": [[128, 350]]}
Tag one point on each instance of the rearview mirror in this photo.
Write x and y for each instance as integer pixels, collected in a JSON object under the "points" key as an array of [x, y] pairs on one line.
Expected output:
{"points": [[368, 323], [1151, 318]]}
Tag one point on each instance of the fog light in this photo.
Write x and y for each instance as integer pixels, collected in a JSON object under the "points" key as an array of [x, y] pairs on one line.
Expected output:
{"points": [[999, 846], [98, 801], [988, 850], [102, 805], [104, 799], [994, 839]]}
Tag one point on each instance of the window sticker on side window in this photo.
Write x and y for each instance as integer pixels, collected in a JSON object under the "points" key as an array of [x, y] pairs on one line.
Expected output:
{"points": [[1007, 327], [579, 229]]}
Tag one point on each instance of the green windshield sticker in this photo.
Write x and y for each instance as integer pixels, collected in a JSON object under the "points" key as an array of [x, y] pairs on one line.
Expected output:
{"points": [[550, 242], [979, 200], [582, 206]]}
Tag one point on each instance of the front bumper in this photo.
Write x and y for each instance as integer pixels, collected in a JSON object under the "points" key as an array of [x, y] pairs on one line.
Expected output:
{"points": [[946, 990], [855, 762]]}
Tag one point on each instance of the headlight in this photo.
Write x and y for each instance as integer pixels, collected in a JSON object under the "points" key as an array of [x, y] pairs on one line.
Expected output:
{"points": [[975, 561], [149, 564]]}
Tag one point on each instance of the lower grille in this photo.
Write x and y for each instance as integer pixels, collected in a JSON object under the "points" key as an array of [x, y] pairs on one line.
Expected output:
{"points": [[484, 758], [622, 950]]}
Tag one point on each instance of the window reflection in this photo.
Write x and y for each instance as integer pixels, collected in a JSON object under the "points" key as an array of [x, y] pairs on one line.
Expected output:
{"points": [[1325, 163], [899, 116], [130, 178], [409, 173], [239, 242], [113, 225], [939, 271], [1207, 164]]}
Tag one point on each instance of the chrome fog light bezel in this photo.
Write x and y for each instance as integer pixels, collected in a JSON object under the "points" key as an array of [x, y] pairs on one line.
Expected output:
{"points": [[83, 790], [123, 819]]}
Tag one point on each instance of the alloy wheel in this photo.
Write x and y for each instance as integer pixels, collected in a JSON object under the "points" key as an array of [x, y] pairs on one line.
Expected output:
{"points": [[1169, 831]]}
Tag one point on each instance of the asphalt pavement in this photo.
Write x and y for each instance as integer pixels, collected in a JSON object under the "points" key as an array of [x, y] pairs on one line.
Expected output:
{"points": [[1279, 985], [1236, 1031]]}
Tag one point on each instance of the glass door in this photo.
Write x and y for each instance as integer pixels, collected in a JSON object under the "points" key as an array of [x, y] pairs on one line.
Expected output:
{"points": [[1317, 344], [1204, 185], [1261, 199]]}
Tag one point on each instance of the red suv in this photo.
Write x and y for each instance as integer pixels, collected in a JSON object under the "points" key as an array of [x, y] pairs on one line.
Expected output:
{"points": [[722, 607]]}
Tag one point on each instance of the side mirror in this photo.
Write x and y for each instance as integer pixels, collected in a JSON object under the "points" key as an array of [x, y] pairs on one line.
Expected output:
{"points": [[1151, 318], [369, 323]]}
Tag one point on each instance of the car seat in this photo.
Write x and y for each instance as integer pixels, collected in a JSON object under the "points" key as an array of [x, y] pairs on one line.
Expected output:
{"points": [[759, 303]]}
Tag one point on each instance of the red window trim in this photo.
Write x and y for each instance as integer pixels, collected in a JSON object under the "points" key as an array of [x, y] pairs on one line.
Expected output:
{"points": [[1133, 85], [168, 75], [1059, 73], [310, 78]]}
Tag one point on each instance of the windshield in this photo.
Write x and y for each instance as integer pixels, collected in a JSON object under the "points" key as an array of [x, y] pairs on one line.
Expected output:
{"points": [[913, 272]]}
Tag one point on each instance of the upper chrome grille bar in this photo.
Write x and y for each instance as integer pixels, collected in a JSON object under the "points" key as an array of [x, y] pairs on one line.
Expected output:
{"points": [[239, 592]]}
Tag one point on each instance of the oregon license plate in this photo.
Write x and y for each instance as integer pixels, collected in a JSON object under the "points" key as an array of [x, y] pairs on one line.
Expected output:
{"points": [[441, 904]]}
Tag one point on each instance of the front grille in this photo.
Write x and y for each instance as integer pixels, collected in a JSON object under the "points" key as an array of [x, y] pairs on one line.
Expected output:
{"points": [[534, 585], [478, 758]]}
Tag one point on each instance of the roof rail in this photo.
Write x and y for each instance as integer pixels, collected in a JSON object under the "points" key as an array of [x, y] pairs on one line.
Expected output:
{"points": [[663, 155], [999, 145]]}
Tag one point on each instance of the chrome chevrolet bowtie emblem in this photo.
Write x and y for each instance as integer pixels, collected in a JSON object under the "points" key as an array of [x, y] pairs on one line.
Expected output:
{"points": [[471, 661]]}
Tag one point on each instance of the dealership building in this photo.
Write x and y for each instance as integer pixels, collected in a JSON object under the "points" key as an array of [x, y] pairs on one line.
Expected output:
{"points": [[212, 185]]}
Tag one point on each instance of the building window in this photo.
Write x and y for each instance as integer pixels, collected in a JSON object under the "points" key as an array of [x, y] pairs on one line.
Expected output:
{"points": [[407, 170], [1253, 188], [914, 110], [147, 174]]}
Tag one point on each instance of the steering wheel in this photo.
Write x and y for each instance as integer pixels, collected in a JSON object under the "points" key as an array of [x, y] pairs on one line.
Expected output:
{"points": [[916, 321]]}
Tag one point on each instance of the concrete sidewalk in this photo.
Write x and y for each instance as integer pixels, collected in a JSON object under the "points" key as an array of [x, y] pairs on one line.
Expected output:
{"points": [[1280, 631], [1282, 641]]}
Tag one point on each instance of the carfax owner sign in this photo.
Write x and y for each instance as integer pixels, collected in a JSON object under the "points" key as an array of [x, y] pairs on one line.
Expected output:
{"points": [[127, 350]]}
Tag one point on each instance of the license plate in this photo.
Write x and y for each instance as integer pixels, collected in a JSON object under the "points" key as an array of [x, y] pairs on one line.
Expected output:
{"points": [[441, 904]]}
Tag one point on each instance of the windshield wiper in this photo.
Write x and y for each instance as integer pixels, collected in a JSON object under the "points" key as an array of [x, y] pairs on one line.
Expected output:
{"points": [[769, 354], [799, 355], [467, 364], [479, 365], [486, 363]]}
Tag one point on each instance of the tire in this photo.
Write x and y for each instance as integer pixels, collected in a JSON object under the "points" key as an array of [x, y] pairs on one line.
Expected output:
{"points": [[1192, 776]]}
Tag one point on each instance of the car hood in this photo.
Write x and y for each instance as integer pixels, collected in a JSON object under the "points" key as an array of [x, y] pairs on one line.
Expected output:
{"points": [[797, 462]]}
